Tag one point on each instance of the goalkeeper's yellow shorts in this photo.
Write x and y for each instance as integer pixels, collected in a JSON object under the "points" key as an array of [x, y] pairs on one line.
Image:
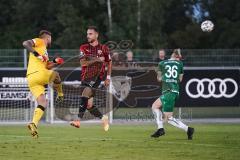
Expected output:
{"points": [[37, 82]]}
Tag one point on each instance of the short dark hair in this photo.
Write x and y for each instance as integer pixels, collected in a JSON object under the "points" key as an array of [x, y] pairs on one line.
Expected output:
{"points": [[93, 27], [42, 32]]}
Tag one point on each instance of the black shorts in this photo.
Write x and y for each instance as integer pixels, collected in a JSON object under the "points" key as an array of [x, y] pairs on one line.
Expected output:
{"points": [[92, 84]]}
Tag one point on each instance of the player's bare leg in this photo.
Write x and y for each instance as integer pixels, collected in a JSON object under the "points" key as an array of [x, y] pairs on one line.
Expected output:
{"points": [[158, 118], [38, 113], [57, 85], [168, 116]]}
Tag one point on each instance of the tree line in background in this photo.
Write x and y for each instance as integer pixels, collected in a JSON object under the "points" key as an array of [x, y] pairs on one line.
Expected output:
{"points": [[148, 23]]}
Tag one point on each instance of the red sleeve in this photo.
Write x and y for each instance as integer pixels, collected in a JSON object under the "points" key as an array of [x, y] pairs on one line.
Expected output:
{"points": [[106, 53], [82, 52]]}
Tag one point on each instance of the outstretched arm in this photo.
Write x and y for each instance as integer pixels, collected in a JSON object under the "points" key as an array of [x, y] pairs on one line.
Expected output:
{"points": [[28, 44]]}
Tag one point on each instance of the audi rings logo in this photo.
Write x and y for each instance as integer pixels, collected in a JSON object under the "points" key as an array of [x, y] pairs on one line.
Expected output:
{"points": [[216, 88]]}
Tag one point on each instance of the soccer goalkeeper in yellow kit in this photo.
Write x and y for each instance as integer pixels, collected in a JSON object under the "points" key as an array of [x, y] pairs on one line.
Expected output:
{"points": [[39, 74]]}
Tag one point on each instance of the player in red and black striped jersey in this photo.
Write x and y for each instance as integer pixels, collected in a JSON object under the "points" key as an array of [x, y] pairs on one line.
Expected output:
{"points": [[94, 57]]}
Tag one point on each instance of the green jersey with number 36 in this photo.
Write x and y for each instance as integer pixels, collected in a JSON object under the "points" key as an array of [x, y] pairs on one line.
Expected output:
{"points": [[170, 69]]}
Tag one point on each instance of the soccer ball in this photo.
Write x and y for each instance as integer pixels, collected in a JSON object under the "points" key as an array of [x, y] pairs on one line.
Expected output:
{"points": [[207, 26]]}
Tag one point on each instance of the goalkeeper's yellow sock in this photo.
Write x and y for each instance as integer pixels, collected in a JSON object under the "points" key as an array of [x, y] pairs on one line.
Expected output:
{"points": [[38, 113], [59, 89]]}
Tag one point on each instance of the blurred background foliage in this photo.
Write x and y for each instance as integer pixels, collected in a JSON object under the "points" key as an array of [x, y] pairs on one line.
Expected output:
{"points": [[150, 24]]}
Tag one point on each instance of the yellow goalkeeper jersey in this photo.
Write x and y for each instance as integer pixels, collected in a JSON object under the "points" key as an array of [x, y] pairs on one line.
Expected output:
{"points": [[34, 63]]}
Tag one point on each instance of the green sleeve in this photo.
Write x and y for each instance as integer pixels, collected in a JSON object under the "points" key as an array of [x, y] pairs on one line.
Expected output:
{"points": [[181, 70], [160, 64]]}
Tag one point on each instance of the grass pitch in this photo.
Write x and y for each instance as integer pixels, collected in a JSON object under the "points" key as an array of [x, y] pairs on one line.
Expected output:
{"points": [[90, 142]]}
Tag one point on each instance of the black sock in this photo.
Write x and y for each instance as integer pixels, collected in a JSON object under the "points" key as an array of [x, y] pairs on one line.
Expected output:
{"points": [[94, 111], [83, 107]]}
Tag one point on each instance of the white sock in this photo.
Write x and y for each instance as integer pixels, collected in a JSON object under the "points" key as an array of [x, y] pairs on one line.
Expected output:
{"points": [[158, 117], [177, 123]]}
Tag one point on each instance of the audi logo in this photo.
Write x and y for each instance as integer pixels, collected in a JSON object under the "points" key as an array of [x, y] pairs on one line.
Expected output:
{"points": [[210, 88]]}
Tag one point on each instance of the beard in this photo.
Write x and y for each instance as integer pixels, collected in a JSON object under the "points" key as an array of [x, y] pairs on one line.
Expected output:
{"points": [[91, 40], [48, 45]]}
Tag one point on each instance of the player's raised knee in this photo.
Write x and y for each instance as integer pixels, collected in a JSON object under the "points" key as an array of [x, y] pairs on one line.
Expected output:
{"points": [[42, 100]]}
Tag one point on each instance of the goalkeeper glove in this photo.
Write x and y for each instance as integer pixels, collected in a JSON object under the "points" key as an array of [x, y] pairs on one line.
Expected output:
{"points": [[58, 60]]}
